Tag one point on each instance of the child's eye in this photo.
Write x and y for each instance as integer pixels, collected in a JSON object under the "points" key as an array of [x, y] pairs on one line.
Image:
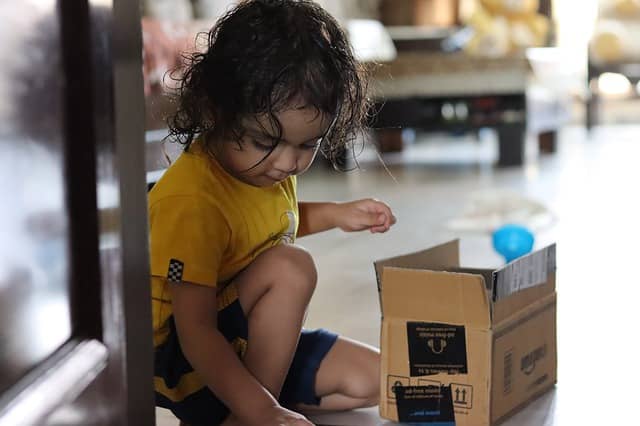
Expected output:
{"points": [[310, 146], [263, 145]]}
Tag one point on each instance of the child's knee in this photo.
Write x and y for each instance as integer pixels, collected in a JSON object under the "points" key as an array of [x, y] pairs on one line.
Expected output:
{"points": [[293, 268], [284, 269]]}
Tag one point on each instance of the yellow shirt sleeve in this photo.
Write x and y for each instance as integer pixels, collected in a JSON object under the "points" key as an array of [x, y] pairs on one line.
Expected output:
{"points": [[188, 238]]}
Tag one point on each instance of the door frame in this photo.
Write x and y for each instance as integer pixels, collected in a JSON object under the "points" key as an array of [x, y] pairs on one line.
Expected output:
{"points": [[104, 373]]}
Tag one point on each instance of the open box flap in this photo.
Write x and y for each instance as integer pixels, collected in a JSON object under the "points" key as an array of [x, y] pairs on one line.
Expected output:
{"points": [[440, 257], [450, 298]]}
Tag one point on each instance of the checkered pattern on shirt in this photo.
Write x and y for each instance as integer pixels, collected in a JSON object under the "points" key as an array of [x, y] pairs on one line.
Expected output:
{"points": [[174, 274]]}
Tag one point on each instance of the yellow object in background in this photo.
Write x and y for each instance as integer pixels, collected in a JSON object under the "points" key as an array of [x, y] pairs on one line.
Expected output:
{"points": [[627, 8], [607, 46], [481, 20], [616, 32], [615, 41], [492, 42], [540, 25], [503, 27], [511, 8]]}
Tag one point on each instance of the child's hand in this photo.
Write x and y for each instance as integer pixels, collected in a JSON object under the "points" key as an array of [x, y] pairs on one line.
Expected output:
{"points": [[274, 416], [369, 214], [280, 416]]}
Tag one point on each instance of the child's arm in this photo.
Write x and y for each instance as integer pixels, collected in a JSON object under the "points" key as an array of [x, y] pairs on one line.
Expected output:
{"points": [[358, 215], [211, 356]]}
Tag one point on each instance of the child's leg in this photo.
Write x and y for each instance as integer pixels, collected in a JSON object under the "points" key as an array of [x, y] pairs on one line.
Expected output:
{"points": [[348, 377], [274, 292]]}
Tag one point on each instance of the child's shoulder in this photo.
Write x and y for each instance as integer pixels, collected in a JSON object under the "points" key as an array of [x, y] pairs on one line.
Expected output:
{"points": [[190, 175]]}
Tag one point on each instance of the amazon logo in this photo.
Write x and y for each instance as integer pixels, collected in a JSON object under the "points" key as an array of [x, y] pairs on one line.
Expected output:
{"points": [[528, 362]]}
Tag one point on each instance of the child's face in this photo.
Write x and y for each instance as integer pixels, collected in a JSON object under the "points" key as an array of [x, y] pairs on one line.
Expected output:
{"points": [[254, 160]]}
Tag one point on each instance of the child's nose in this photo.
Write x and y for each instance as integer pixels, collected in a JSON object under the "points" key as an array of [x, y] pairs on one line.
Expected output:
{"points": [[286, 161]]}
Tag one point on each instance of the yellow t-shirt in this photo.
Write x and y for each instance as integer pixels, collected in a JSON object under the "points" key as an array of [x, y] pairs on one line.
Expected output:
{"points": [[206, 226]]}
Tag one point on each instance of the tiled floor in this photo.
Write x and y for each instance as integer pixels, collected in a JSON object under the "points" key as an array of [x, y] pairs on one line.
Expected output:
{"points": [[591, 185]]}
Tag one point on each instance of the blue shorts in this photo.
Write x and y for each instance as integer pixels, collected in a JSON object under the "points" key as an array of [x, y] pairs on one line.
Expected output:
{"points": [[202, 407]]}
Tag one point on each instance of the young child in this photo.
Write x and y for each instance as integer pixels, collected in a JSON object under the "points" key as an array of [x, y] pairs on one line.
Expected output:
{"points": [[277, 84]]}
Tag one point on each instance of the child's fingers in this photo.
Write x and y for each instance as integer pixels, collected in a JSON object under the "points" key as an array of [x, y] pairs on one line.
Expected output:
{"points": [[381, 215], [371, 219], [379, 229], [386, 211], [389, 219], [361, 220]]}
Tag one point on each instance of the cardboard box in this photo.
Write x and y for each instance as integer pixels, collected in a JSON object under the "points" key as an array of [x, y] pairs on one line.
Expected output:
{"points": [[479, 343]]}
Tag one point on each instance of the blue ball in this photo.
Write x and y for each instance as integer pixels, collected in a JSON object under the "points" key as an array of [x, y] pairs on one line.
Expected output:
{"points": [[512, 241]]}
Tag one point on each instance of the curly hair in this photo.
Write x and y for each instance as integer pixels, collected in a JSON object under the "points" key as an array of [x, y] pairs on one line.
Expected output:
{"points": [[260, 57]]}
